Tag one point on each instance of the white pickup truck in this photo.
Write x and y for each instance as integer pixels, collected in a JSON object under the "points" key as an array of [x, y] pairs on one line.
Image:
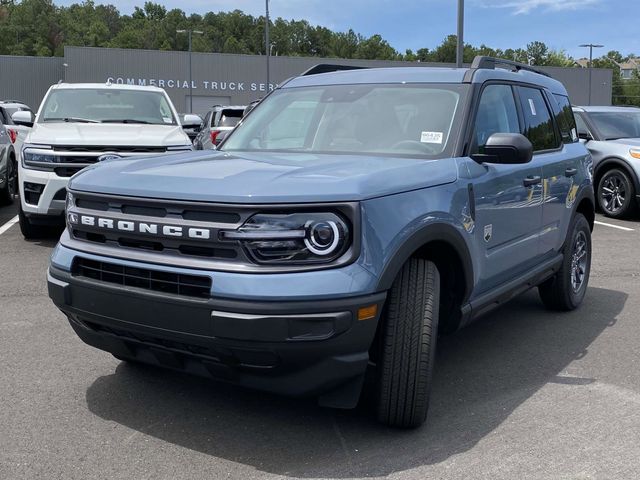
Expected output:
{"points": [[78, 125]]}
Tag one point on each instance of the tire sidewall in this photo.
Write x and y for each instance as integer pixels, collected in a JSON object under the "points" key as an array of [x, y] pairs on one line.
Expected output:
{"points": [[579, 224], [629, 188]]}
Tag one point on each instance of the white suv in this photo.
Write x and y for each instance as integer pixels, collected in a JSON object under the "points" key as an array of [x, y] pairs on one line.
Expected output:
{"points": [[80, 124]]}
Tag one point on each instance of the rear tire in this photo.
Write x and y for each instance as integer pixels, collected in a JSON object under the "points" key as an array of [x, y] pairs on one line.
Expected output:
{"points": [[408, 344], [28, 229], [567, 288]]}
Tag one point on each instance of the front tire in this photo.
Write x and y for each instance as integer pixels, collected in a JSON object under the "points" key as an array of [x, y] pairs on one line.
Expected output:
{"points": [[10, 182], [616, 194], [28, 229], [408, 344], [566, 290]]}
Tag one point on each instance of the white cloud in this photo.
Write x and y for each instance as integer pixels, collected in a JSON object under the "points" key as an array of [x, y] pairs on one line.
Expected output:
{"points": [[522, 7]]}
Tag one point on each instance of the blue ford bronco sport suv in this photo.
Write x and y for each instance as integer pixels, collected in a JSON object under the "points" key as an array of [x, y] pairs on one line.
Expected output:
{"points": [[349, 218]]}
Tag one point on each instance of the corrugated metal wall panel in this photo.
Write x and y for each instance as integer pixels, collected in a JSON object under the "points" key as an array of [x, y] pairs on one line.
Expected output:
{"points": [[240, 78], [27, 78]]}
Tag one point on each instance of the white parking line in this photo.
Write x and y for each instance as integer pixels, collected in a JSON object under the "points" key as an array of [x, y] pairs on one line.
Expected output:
{"points": [[626, 229], [8, 225]]}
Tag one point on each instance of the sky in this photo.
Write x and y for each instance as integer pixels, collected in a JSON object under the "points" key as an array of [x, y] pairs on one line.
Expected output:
{"points": [[413, 24]]}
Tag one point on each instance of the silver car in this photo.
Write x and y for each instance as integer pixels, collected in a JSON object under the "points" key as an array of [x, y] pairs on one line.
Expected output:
{"points": [[216, 125], [8, 167], [612, 135]]}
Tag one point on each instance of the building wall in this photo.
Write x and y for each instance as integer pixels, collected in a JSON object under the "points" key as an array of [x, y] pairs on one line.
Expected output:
{"points": [[27, 79], [216, 78]]}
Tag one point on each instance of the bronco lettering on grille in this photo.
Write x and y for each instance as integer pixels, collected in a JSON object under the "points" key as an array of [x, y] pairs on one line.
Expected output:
{"points": [[144, 228]]}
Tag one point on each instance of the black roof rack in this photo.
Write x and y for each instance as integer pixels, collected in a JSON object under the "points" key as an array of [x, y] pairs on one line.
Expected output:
{"points": [[327, 67], [490, 63]]}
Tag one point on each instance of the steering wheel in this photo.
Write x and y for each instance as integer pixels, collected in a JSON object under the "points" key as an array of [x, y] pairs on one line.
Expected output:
{"points": [[416, 146]]}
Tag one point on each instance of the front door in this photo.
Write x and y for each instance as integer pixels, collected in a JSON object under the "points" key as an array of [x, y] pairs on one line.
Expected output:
{"points": [[508, 198]]}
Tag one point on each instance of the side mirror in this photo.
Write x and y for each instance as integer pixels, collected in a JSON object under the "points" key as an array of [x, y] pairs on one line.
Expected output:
{"points": [[506, 148], [191, 121], [23, 117], [586, 136]]}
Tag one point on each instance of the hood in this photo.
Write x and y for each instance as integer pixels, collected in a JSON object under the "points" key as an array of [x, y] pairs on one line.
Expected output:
{"points": [[263, 177], [631, 142], [105, 134]]}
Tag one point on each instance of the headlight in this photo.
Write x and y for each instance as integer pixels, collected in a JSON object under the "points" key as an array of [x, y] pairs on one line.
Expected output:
{"points": [[72, 217], [296, 238], [39, 157], [634, 152]]}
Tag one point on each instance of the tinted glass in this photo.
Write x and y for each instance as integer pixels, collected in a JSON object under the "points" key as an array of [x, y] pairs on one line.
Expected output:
{"points": [[612, 125], [565, 119], [107, 105], [538, 124], [497, 113], [581, 126], [230, 118], [389, 119]]}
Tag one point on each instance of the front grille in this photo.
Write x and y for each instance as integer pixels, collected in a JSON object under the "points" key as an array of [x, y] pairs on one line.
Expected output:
{"points": [[67, 171], [107, 148], [211, 218], [165, 282]]}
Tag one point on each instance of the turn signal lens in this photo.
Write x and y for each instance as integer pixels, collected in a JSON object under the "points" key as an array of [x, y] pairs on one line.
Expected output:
{"points": [[367, 313], [635, 152]]}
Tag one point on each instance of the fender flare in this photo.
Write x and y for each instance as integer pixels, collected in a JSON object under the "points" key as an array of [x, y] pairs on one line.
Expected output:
{"points": [[619, 162], [442, 232]]}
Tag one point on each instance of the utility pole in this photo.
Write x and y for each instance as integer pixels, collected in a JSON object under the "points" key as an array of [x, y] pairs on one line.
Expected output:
{"points": [[190, 69], [267, 46], [591, 46], [460, 37]]}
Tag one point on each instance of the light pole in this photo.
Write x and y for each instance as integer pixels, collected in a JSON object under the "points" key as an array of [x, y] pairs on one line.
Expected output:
{"points": [[591, 46], [267, 45], [460, 45], [190, 71]]}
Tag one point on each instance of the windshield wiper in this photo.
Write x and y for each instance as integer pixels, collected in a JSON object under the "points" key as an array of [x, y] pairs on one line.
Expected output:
{"points": [[124, 120], [71, 119]]}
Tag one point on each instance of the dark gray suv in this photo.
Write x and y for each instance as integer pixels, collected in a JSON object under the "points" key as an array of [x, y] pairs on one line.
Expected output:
{"points": [[343, 224]]}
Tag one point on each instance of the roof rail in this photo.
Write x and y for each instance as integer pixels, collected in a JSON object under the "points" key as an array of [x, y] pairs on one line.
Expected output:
{"points": [[327, 67], [489, 63]]}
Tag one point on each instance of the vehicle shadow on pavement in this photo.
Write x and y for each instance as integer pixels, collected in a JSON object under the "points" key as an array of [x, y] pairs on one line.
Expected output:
{"points": [[483, 373]]}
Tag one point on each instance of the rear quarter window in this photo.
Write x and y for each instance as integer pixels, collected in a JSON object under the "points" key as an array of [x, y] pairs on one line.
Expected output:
{"points": [[565, 118]]}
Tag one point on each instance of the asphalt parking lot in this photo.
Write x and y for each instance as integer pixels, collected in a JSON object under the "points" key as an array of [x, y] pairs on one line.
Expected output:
{"points": [[524, 393]]}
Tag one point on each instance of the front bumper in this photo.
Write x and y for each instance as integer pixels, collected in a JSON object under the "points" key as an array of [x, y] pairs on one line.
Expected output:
{"points": [[297, 348], [47, 204]]}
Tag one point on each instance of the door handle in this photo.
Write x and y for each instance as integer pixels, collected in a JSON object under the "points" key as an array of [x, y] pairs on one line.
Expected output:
{"points": [[532, 180], [570, 172]]}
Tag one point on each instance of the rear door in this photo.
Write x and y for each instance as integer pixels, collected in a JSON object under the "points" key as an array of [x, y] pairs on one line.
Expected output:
{"points": [[555, 152], [508, 198]]}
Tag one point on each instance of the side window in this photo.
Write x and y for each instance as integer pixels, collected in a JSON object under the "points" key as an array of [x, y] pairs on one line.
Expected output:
{"points": [[583, 130], [207, 117], [537, 120], [497, 113], [565, 119]]}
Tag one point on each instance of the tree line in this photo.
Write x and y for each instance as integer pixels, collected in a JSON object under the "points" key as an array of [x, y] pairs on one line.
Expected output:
{"points": [[42, 28]]}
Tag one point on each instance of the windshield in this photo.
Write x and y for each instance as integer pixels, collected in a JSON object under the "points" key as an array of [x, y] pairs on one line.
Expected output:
{"points": [[384, 119], [613, 125], [107, 105]]}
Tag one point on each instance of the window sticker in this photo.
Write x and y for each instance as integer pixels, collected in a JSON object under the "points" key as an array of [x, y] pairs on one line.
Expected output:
{"points": [[166, 119], [431, 137], [574, 134], [533, 107]]}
